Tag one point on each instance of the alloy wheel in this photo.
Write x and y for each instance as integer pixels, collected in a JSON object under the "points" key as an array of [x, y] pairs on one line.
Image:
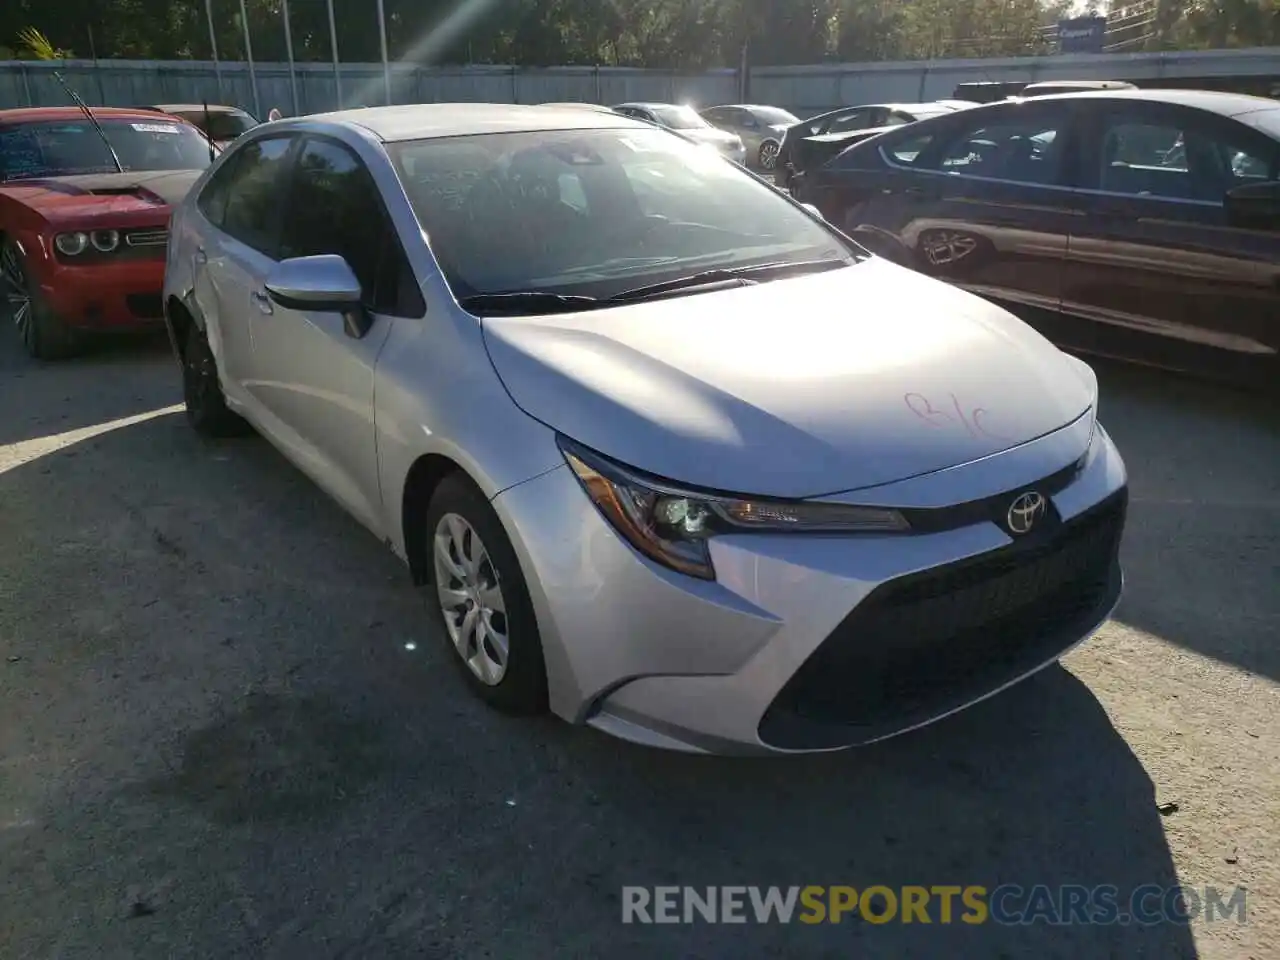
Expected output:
{"points": [[769, 155], [15, 290], [471, 600], [946, 247]]}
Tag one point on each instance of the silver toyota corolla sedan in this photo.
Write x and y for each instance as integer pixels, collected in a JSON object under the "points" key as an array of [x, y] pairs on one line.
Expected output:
{"points": [[671, 456]]}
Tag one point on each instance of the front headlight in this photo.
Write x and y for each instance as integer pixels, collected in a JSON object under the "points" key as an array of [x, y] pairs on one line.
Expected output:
{"points": [[672, 526], [72, 244]]}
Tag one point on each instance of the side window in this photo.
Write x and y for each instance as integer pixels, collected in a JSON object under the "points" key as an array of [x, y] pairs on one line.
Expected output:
{"points": [[905, 152], [1025, 149], [745, 119], [212, 201], [897, 118], [1176, 160], [857, 120], [334, 207], [253, 192]]}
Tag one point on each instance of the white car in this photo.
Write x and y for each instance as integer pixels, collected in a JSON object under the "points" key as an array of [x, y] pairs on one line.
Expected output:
{"points": [[674, 458]]}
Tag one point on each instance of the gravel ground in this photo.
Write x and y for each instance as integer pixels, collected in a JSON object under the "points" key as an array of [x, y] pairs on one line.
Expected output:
{"points": [[215, 742]]}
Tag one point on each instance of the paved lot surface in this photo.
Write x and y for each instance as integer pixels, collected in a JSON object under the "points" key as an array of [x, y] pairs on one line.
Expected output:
{"points": [[214, 742]]}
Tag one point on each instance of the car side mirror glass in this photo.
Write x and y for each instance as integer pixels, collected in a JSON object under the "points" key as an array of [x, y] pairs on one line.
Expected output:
{"points": [[1254, 206], [324, 283]]}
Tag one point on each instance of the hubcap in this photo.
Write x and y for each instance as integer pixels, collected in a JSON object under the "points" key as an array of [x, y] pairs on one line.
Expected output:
{"points": [[769, 156], [15, 290], [475, 613]]}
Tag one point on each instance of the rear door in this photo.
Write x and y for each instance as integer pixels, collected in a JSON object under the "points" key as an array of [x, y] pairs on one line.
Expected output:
{"points": [[1156, 270], [313, 379], [984, 200], [241, 204]]}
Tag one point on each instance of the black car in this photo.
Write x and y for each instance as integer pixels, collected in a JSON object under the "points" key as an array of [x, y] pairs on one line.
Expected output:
{"points": [[798, 142], [1142, 224]]}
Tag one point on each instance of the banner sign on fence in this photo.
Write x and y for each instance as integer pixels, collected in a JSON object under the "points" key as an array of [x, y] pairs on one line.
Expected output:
{"points": [[1082, 35]]}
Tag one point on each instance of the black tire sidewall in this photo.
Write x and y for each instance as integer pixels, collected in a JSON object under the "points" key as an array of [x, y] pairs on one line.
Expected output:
{"points": [[206, 411], [523, 689]]}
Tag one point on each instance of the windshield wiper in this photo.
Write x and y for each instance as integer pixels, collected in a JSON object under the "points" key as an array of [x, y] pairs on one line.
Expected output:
{"points": [[519, 302], [725, 274]]}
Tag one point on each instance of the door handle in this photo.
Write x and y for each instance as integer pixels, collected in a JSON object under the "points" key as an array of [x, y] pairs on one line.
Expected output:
{"points": [[263, 300], [201, 257]]}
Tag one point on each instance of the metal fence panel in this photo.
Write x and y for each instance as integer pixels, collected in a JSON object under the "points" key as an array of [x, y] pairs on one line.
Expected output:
{"points": [[805, 90]]}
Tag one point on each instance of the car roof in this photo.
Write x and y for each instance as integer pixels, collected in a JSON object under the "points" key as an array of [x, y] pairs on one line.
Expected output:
{"points": [[1213, 101], [430, 120], [1083, 84], [195, 108], [650, 104], [44, 114]]}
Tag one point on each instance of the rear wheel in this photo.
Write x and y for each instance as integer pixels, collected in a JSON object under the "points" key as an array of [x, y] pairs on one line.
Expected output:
{"points": [[769, 155], [43, 335], [480, 600], [202, 391]]}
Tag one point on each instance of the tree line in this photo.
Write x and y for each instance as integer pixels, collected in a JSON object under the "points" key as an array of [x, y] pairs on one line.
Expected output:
{"points": [[682, 34]]}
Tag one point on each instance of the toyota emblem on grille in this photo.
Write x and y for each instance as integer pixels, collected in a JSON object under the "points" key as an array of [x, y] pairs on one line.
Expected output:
{"points": [[1025, 511]]}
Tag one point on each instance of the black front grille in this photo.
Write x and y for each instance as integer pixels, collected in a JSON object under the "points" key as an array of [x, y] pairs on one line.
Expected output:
{"points": [[925, 644], [146, 306]]}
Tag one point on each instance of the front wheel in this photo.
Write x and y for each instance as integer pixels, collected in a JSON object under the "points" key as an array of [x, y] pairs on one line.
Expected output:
{"points": [[768, 156], [44, 336], [480, 600]]}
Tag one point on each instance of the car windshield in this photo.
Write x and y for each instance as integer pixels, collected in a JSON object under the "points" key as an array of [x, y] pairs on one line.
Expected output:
{"points": [[678, 118], [65, 147], [597, 212], [774, 116], [224, 125]]}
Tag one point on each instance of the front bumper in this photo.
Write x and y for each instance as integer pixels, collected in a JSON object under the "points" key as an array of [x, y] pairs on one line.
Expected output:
{"points": [[107, 296], [819, 643]]}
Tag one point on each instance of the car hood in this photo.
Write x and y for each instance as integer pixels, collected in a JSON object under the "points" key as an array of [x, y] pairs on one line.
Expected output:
{"points": [[795, 388], [61, 200]]}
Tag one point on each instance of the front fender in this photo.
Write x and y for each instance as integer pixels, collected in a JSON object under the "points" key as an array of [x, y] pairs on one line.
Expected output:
{"points": [[437, 394]]}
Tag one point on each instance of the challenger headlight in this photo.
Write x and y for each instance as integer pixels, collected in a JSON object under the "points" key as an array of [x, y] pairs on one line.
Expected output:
{"points": [[672, 526], [104, 241], [72, 244]]}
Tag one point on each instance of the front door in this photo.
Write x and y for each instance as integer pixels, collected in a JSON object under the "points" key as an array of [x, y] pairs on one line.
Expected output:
{"points": [[1157, 270], [314, 379]]}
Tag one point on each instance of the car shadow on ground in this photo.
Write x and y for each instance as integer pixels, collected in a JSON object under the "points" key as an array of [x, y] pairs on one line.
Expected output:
{"points": [[1203, 536], [225, 723]]}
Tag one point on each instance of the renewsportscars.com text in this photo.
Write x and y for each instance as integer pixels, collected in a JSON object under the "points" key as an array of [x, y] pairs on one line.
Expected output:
{"points": [[1008, 904]]}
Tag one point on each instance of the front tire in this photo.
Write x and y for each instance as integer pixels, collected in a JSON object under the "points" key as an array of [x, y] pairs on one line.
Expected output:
{"points": [[44, 336], [480, 601], [202, 390]]}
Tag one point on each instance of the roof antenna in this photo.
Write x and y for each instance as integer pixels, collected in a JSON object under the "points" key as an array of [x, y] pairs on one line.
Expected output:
{"points": [[208, 133], [75, 97]]}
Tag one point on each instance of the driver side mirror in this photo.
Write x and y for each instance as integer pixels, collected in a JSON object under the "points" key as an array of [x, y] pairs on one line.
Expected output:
{"points": [[1254, 206], [321, 284]]}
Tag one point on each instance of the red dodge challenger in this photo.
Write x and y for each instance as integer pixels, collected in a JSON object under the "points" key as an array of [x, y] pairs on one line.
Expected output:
{"points": [[84, 217]]}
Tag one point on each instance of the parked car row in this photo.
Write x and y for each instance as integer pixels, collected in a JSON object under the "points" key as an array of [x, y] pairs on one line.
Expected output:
{"points": [[1140, 224]]}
